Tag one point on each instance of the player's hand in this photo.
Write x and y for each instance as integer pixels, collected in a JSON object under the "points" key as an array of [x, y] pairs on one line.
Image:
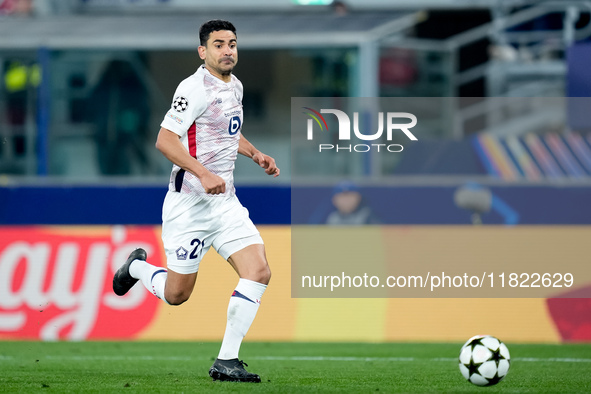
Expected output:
{"points": [[266, 162], [213, 184]]}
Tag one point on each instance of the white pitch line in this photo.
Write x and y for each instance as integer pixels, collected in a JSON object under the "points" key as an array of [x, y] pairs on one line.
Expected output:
{"points": [[321, 358], [288, 358], [125, 358], [554, 359], [404, 359]]}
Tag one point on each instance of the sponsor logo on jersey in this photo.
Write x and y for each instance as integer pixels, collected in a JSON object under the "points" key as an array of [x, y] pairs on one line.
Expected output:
{"points": [[234, 125], [175, 118], [232, 113]]}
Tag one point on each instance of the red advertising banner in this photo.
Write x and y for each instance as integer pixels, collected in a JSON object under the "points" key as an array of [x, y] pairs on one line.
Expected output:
{"points": [[56, 282]]}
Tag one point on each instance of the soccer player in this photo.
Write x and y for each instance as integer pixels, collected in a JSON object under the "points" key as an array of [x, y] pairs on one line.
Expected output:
{"points": [[201, 136]]}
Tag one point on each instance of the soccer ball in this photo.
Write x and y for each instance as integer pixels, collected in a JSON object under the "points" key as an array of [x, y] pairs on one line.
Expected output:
{"points": [[484, 360]]}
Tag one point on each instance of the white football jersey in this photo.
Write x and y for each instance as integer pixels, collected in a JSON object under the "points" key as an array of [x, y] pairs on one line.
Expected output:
{"points": [[207, 115]]}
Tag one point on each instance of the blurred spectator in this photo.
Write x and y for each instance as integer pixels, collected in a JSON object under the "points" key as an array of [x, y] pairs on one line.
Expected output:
{"points": [[120, 113], [398, 67], [16, 7], [480, 200], [18, 78], [340, 8], [18, 88], [37, 7], [350, 206]]}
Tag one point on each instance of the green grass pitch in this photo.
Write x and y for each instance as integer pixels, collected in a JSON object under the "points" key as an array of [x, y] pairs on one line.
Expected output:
{"points": [[175, 367]]}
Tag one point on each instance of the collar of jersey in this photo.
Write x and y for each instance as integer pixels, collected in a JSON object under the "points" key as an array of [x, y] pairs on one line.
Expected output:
{"points": [[217, 80]]}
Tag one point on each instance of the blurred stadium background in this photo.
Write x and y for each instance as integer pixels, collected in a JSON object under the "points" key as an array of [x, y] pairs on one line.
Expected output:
{"points": [[85, 84]]}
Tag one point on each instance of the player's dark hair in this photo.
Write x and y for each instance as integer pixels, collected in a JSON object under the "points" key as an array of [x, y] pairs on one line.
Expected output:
{"points": [[214, 25]]}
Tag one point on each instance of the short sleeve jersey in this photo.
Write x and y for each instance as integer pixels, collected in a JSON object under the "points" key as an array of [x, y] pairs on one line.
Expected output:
{"points": [[206, 113]]}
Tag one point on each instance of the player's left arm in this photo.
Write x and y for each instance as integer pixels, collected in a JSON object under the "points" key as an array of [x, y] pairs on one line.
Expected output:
{"points": [[265, 161]]}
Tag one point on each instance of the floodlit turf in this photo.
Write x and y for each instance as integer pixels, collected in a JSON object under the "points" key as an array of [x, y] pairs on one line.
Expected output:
{"points": [[121, 367]]}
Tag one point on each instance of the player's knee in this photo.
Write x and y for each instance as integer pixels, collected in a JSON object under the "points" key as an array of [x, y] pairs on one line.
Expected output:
{"points": [[177, 297], [176, 300], [263, 275]]}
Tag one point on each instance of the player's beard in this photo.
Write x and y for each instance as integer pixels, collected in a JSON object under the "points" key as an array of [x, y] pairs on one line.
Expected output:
{"points": [[228, 66]]}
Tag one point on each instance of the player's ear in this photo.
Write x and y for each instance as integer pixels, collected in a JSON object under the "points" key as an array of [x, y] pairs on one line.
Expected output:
{"points": [[201, 51]]}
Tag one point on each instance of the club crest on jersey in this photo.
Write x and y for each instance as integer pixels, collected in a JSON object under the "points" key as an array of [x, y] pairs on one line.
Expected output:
{"points": [[180, 104], [181, 253]]}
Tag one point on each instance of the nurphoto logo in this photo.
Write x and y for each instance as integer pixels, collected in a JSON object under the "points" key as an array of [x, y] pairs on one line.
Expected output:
{"points": [[393, 124]]}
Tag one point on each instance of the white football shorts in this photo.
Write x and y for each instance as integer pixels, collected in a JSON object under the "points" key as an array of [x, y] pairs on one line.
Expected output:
{"points": [[192, 224]]}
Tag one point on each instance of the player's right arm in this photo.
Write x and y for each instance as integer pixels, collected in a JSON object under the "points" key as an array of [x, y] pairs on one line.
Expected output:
{"points": [[169, 144], [174, 127]]}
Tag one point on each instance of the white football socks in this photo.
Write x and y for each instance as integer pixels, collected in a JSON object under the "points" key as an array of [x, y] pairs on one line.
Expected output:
{"points": [[153, 278], [242, 309]]}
